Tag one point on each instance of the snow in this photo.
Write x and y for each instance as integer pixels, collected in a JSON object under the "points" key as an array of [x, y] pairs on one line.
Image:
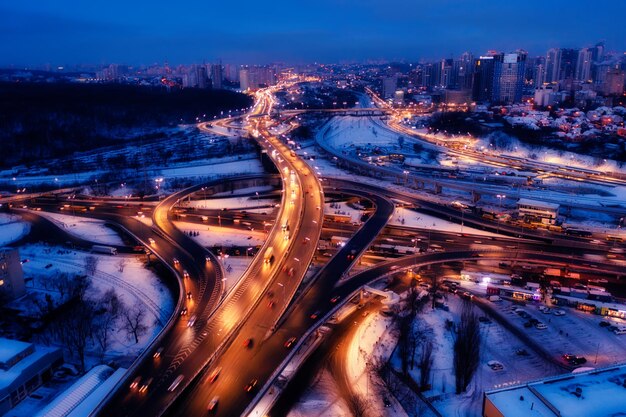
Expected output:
{"points": [[89, 229], [12, 229], [373, 339], [245, 166], [238, 203], [223, 236], [136, 285], [10, 348], [424, 221], [321, 399]]}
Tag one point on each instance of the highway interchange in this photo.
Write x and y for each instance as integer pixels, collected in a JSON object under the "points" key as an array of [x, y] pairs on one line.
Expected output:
{"points": [[227, 345]]}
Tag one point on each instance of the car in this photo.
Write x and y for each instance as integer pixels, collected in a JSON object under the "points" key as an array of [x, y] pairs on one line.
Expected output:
{"points": [[176, 261], [528, 324], [175, 383], [545, 310], [247, 343], [271, 304], [315, 315], [183, 312], [568, 356], [192, 321], [207, 258], [152, 242], [540, 326], [335, 299], [135, 383], [533, 321], [495, 365], [289, 343], [521, 352], [467, 295], [157, 353], [559, 313], [189, 295], [604, 323], [213, 404], [386, 402], [577, 360], [185, 274], [216, 372], [144, 387], [250, 385]]}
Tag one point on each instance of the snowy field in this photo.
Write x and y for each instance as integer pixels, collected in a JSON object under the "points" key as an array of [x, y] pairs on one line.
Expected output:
{"points": [[230, 203], [410, 218], [89, 229], [225, 236], [12, 228], [127, 275], [320, 399]]}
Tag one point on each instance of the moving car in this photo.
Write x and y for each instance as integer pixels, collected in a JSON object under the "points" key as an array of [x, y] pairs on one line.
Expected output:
{"points": [[250, 385], [289, 343], [213, 404]]}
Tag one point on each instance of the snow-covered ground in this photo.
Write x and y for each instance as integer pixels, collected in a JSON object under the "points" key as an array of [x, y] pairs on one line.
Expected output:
{"points": [[213, 170], [225, 236], [12, 228], [234, 202], [127, 275], [410, 218], [89, 229], [321, 399], [373, 339]]}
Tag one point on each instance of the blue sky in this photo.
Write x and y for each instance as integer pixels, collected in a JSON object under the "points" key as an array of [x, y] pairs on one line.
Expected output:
{"points": [[34, 32]]}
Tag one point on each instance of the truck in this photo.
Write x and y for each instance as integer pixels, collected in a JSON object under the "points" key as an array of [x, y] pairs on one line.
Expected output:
{"points": [[268, 257], [107, 250]]}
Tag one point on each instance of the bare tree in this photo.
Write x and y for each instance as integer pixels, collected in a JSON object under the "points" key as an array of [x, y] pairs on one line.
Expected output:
{"points": [[107, 314], [426, 364], [358, 405], [466, 348], [121, 265], [91, 265], [133, 322], [74, 328]]}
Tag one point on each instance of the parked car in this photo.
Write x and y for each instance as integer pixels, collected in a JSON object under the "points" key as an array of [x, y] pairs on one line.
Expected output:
{"points": [[540, 326], [559, 313], [495, 365]]}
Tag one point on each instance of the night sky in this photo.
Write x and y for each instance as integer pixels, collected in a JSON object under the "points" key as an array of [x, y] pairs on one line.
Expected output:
{"points": [[243, 31]]}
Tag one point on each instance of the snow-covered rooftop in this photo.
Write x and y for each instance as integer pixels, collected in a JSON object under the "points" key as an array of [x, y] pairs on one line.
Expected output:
{"points": [[10, 349], [537, 203], [593, 393]]}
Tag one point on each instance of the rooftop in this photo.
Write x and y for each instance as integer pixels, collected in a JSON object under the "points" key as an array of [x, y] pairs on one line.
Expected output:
{"points": [[538, 204], [593, 393], [11, 348]]}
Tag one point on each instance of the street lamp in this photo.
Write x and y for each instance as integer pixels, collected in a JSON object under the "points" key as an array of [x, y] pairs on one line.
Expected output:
{"points": [[406, 176], [500, 197]]}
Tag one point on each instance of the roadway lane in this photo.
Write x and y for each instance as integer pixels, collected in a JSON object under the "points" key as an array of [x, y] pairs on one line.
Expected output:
{"points": [[240, 364]]}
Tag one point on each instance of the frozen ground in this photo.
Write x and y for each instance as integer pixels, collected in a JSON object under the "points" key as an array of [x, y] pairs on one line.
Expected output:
{"points": [[320, 399], [135, 285], [89, 229], [496, 344], [12, 228], [225, 236], [424, 221], [231, 203]]}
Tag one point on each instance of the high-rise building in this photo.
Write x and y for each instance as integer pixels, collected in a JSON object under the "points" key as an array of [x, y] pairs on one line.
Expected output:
{"points": [[567, 66], [244, 78], [508, 77], [216, 76], [553, 64], [583, 65], [389, 87], [483, 78]]}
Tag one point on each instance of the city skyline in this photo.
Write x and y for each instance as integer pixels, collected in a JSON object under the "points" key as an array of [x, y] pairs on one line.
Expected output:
{"points": [[348, 31]]}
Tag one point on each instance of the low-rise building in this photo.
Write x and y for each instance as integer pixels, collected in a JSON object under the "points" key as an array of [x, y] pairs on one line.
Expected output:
{"points": [[537, 211], [23, 368], [581, 394]]}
